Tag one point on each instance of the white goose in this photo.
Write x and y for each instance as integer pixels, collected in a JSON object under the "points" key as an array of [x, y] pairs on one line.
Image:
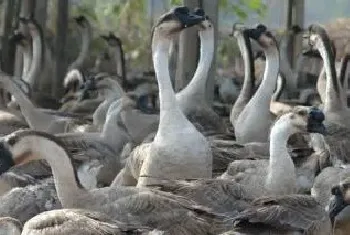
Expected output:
{"points": [[192, 99], [248, 129], [178, 150]]}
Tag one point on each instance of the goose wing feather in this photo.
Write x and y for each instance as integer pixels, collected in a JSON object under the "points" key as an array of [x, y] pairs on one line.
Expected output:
{"points": [[222, 196], [24, 203], [292, 212], [77, 221]]}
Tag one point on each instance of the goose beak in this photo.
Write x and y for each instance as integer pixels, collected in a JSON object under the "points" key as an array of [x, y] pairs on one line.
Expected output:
{"points": [[189, 19], [315, 122]]}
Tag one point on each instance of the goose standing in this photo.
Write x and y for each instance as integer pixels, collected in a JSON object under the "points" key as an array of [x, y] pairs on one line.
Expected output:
{"points": [[248, 128], [192, 99], [249, 73]]}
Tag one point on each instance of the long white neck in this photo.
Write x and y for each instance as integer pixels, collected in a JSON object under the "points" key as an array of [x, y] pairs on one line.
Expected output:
{"points": [[161, 62], [84, 52], [38, 57], [66, 181], [333, 99], [268, 84], [196, 89], [27, 60], [281, 177], [248, 84]]}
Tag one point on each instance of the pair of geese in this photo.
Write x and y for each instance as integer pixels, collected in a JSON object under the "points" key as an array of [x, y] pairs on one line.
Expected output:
{"points": [[176, 146]]}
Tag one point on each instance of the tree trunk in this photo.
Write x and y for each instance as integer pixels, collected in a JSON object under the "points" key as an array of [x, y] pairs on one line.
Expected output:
{"points": [[60, 46], [7, 48], [41, 12], [26, 10], [188, 53], [211, 9]]}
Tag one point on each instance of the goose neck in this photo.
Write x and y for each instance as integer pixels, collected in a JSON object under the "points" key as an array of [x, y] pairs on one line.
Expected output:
{"points": [[27, 59], [267, 86], [38, 56], [332, 96], [161, 62], [65, 177], [281, 177], [199, 81], [84, 52], [249, 79]]}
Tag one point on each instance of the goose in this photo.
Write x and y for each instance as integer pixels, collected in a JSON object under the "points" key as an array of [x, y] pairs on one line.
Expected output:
{"points": [[335, 108], [36, 118], [191, 99], [266, 172], [289, 214], [178, 149], [249, 74], [116, 50], [247, 128], [339, 206], [78, 222], [10, 226]]}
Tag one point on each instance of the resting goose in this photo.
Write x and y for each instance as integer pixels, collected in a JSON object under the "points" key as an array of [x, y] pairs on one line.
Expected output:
{"points": [[192, 99], [10, 226], [277, 215], [248, 128], [273, 173], [77, 222]]}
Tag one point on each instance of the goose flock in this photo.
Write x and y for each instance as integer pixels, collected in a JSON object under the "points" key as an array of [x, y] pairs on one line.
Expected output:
{"points": [[120, 158]]}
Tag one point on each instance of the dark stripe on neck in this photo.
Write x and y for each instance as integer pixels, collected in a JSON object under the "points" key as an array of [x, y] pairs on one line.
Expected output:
{"points": [[343, 67], [248, 47]]}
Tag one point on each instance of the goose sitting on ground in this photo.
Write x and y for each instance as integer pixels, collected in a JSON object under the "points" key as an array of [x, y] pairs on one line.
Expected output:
{"points": [[10, 226], [277, 215], [77, 222], [273, 172]]}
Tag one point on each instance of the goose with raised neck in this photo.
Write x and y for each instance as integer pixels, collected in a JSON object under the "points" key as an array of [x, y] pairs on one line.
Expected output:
{"points": [[86, 29], [115, 47], [192, 99], [178, 150], [37, 64], [26, 47], [335, 107], [254, 122], [246, 93], [272, 172]]}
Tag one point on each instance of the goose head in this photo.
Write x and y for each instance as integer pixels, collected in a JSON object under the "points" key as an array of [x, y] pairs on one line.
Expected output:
{"points": [[171, 24], [262, 36], [302, 120], [33, 25], [112, 40], [81, 20], [317, 38], [339, 206], [19, 38]]}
